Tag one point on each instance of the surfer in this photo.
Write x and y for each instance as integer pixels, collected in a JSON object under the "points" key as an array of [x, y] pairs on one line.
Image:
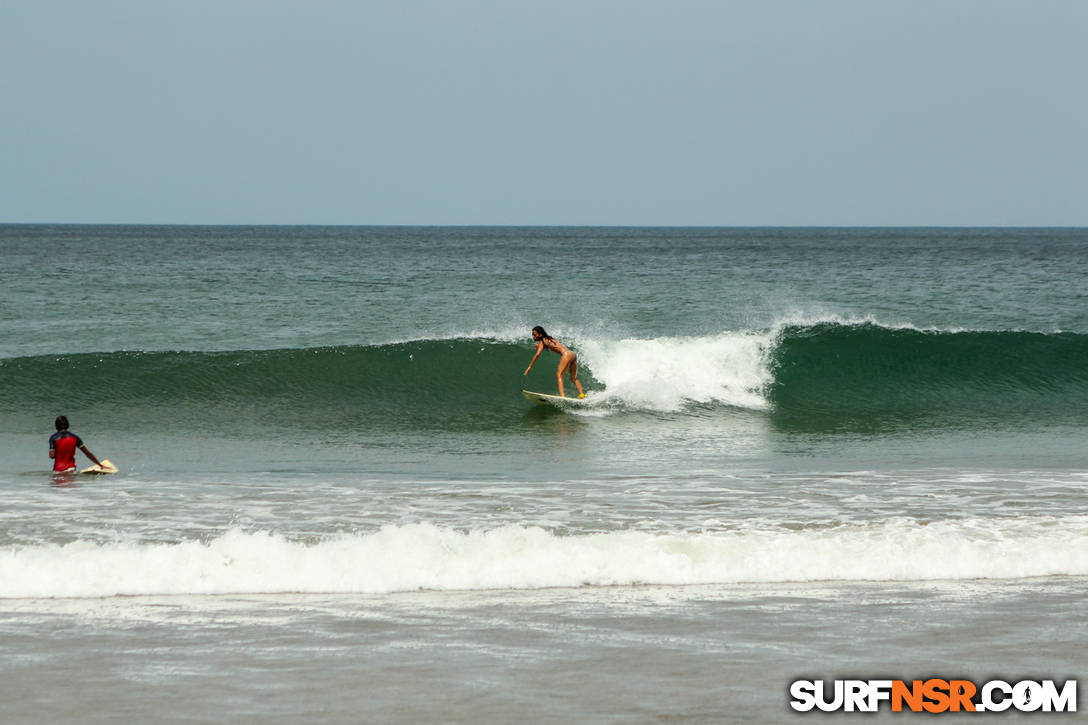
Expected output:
{"points": [[567, 360], [62, 448]]}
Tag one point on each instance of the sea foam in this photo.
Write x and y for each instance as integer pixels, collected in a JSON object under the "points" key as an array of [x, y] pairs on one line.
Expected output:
{"points": [[425, 556]]}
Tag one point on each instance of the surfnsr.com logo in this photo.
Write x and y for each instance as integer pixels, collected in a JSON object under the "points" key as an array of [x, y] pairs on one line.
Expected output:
{"points": [[933, 696]]}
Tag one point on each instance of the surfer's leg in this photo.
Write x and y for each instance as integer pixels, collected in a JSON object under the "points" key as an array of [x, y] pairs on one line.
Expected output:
{"points": [[574, 376], [564, 363]]}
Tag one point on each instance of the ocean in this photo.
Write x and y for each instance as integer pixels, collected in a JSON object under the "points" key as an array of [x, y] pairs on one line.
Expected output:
{"points": [[806, 454]]}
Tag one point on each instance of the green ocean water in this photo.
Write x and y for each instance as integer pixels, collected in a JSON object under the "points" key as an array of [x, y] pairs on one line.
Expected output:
{"points": [[395, 337], [380, 358]]}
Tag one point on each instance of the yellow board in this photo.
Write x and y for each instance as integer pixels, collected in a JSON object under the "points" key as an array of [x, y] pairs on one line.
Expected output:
{"points": [[106, 467]]}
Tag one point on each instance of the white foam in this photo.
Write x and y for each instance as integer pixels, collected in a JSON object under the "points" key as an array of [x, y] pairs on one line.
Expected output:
{"points": [[731, 368], [424, 556]]}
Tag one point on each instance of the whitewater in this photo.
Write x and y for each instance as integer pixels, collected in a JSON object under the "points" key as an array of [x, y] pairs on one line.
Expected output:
{"points": [[426, 557]]}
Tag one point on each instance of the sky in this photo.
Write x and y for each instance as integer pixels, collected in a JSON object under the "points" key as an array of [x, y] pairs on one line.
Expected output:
{"points": [[495, 112]]}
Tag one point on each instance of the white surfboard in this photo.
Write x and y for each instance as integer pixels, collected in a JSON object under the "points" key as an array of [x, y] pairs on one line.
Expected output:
{"points": [[546, 399], [106, 467]]}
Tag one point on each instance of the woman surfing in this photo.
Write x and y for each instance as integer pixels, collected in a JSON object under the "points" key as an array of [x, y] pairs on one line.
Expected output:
{"points": [[567, 359]]}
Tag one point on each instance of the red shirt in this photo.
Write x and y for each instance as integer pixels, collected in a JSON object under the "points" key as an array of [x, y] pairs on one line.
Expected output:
{"points": [[64, 444]]}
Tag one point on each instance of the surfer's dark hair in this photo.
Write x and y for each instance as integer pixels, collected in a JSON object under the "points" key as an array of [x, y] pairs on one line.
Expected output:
{"points": [[543, 332], [62, 422]]}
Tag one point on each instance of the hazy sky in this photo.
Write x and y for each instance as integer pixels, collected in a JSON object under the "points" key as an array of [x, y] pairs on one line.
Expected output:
{"points": [[762, 112]]}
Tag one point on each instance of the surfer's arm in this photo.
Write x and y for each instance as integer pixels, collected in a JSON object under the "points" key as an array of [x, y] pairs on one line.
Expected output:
{"points": [[539, 349], [86, 453]]}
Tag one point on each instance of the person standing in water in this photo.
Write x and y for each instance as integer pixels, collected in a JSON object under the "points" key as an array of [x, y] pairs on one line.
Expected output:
{"points": [[567, 360], [63, 445]]}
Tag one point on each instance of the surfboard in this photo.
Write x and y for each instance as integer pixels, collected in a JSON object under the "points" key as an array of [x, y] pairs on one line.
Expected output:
{"points": [[546, 399], [106, 467]]}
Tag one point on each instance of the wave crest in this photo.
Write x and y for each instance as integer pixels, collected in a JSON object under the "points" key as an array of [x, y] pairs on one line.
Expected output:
{"points": [[817, 376]]}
